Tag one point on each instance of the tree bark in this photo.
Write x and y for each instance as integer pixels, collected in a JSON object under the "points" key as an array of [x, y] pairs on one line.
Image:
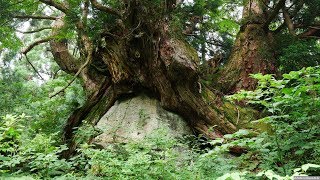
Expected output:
{"points": [[252, 51], [141, 54]]}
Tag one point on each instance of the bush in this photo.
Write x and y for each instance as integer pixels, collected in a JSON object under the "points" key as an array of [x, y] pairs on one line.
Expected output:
{"points": [[18, 155], [292, 108], [157, 157]]}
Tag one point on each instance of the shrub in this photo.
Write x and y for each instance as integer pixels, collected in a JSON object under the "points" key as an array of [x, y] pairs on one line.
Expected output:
{"points": [[292, 112]]}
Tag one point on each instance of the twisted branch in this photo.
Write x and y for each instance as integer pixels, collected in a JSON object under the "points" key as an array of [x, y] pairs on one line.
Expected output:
{"points": [[36, 43]]}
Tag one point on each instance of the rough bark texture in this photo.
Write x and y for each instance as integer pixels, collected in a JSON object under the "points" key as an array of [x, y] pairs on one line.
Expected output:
{"points": [[146, 56], [251, 53]]}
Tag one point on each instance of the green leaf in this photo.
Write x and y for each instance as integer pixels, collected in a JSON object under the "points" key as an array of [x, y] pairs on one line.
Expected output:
{"points": [[305, 167]]}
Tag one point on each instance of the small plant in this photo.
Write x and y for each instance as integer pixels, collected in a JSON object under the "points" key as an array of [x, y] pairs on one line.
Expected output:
{"points": [[143, 117]]}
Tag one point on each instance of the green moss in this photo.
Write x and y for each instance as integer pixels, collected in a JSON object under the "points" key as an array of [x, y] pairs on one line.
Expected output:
{"points": [[240, 117], [190, 51], [143, 117]]}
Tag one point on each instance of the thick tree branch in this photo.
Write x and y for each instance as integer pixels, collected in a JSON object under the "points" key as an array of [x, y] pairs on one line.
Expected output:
{"points": [[66, 61], [58, 6], [311, 33], [36, 43], [34, 31], [85, 12], [275, 12], [59, 49], [298, 7], [288, 21], [87, 44], [34, 17], [105, 8]]}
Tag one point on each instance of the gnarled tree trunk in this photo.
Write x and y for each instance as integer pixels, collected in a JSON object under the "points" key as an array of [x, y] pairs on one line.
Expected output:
{"points": [[141, 54]]}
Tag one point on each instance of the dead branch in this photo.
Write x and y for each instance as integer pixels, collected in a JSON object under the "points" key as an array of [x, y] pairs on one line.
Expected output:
{"points": [[89, 58], [34, 31], [34, 17], [34, 68]]}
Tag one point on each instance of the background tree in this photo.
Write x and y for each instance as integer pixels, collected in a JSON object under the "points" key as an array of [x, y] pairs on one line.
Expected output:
{"points": [[256, 46]]}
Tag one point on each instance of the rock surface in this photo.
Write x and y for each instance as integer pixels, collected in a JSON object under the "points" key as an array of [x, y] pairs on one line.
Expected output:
{"points": [[136, 118]]}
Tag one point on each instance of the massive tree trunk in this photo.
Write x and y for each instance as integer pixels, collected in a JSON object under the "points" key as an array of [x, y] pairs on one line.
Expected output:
{"points": [[252, 51], [136, 50], [142, 54], [165, 66]]}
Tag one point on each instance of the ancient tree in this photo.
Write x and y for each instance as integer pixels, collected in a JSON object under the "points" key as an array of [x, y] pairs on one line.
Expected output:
{"points": [[131, 46]]}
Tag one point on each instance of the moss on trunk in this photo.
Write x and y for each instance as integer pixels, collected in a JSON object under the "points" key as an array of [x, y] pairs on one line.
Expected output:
{"points": [[252, 52], [150, 59]]}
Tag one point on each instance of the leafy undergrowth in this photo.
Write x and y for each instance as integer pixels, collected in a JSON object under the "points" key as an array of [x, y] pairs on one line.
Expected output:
{"points": [[159, 156], [287, 144], [292, 106]]}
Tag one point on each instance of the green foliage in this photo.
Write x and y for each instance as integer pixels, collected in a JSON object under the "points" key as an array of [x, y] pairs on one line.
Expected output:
{"points": [[20, 95], [157, 157], [297, 172], [10, 40], [8, 9], [30, 146], [291, 106], [309, 13], [85, 133], [10, 133], [151, 159], [294, 54], [19, 155], [211, 24]]}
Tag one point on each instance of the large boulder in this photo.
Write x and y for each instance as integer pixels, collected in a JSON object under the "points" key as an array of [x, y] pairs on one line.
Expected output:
{"points": [[134, 119]]}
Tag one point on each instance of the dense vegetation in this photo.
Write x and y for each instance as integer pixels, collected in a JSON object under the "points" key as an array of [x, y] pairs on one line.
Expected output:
{"points": [[288, 137], [39, 93]]}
